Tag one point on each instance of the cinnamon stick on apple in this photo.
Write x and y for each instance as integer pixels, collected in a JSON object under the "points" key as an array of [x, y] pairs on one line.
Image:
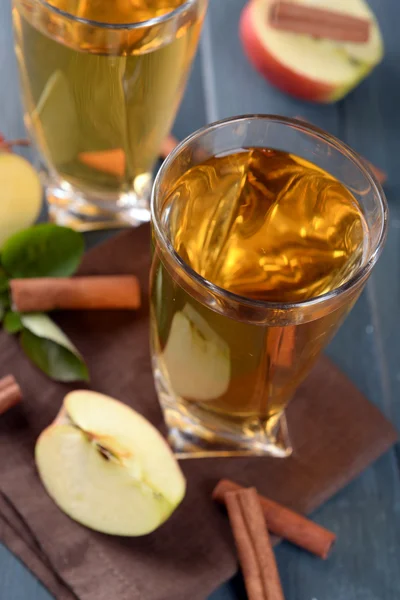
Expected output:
{"points": [[76, 293], [318, 22]]}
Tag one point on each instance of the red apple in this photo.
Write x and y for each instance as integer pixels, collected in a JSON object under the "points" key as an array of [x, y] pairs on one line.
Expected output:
{"points": [[309, 68]]}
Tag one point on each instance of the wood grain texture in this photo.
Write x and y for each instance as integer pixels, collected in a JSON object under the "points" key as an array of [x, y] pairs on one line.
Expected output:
{"points": [[16, 582], [366, 515], [11, 121]]}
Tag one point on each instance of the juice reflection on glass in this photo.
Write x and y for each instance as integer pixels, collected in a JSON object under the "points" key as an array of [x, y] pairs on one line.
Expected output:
{"points": [[259, 254], [101, 83]]}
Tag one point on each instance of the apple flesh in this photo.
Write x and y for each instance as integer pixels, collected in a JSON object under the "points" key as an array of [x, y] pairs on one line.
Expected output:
{"points": [[21, 195], [309, 68], [107, 467], [196, 358]]}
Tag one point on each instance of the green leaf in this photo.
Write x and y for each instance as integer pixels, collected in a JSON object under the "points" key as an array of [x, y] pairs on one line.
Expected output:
{"points": [[5, 301], [12, 322], [45, 250], [42, 326], [49, 349], [54, 360], [4, 281]]}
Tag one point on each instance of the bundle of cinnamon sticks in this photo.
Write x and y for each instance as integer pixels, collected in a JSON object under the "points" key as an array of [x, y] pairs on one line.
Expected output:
{"points": [[252, 518]]}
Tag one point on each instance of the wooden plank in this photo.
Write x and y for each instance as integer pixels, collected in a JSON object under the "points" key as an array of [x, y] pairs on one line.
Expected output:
{"points": [[365, 515], [11, 121], [16, 582], [191, 115], [372, 125]]}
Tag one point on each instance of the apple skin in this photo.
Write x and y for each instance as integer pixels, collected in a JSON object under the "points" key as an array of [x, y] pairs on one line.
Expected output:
{"points": [[107, 467], [285, 79]]}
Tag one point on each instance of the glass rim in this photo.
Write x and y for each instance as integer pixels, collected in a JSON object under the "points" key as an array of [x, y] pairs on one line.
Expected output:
{"points": [[306, 127], [133, 25]]}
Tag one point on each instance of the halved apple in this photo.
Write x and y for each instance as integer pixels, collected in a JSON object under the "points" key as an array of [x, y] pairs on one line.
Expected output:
{"points": [[196, 358], [21, 195], [107, 467], [306, 67]]}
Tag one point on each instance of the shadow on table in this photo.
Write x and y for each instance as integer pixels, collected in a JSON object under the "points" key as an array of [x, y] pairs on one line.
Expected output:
{"points": [[232, 589]]}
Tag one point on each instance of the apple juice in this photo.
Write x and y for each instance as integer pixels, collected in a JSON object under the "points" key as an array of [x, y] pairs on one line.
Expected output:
{"points": [[93, 95], [263, 225]]}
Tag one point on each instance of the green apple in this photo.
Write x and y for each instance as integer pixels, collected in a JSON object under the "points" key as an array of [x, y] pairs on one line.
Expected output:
{"points": [[196, 358], [107, 467], [21, 195]]}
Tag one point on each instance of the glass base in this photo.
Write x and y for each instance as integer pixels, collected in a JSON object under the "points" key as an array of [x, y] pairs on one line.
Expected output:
{"points": [[196, 433], [89, 212]]}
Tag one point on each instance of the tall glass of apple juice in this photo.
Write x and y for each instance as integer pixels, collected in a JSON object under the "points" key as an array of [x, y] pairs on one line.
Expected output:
{"points": [[101, 83], [264, 232]]}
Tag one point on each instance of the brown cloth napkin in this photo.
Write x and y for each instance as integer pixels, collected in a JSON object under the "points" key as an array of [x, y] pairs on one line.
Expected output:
{"points": [[336, 433]]}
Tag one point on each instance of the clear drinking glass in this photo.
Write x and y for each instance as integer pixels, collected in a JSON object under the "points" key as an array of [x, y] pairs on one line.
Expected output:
{"points": [[100, 94], [226, 365]]}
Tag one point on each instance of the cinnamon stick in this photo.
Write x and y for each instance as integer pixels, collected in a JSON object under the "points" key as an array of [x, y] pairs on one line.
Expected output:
{"points": [[10, 393], [7, 145], [75, 293], [253, 545], [169, 144], [318, 22], [286, 523], [281, 345], [379, 174], [111, 161]]}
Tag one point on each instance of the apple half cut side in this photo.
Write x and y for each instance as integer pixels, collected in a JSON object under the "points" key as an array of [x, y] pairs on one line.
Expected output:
{"points": [[309, 68], [107, 467], [21, 195]]}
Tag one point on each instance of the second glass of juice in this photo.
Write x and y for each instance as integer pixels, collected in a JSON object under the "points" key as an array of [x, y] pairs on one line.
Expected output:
{"points": [[101, 84], [265, 230]]}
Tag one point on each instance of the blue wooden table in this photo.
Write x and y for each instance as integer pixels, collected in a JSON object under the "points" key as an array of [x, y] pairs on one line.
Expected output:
{"points": [[366, 515]]}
